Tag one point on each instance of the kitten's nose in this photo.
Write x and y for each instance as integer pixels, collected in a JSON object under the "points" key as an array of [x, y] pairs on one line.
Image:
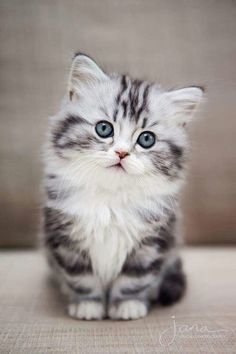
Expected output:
{"points": [[121, 153]]}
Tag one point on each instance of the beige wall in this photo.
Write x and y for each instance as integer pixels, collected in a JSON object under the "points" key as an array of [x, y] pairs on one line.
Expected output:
{"points": [[175, 42]]}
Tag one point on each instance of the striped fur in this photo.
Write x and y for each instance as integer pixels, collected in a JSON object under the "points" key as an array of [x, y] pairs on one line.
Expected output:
{"points": [[111, 232]]}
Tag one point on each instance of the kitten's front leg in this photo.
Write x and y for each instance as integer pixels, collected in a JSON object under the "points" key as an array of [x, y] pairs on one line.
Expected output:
{"points": [[86, 297], [130, 294], [72, 267], [84, 291]]}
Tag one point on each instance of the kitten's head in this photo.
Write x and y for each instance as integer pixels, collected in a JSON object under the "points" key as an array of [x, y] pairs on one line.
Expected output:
{"points": [[118, 130]]}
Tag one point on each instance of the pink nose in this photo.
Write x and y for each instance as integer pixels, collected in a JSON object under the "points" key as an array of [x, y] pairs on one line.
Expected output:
{"points": [[121, 153]]}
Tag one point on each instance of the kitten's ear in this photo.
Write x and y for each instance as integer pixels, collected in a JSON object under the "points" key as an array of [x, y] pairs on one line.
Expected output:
{"points": [[84, 71], [184, 103]]}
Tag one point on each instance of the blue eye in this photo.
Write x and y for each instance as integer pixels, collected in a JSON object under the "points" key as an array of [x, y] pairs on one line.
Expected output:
{"points": [[146, 139], [104, 129]]}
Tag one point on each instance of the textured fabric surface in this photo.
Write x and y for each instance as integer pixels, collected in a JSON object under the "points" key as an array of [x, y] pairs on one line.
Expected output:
{"points": [[33, 320], [174, 42]]}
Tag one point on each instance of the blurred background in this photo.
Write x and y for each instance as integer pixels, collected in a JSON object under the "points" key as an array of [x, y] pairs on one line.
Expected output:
{"points": [[175, 42]]}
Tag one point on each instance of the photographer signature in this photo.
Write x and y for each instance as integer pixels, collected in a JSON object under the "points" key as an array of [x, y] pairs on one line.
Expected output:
{"points": [[168, 336]]}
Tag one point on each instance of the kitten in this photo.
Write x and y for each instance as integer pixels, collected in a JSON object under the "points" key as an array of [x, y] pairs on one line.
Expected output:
{"points": [[114, 164]]}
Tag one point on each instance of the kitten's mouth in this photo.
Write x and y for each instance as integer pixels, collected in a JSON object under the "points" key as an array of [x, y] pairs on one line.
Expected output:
{"points": [[118, 166]]}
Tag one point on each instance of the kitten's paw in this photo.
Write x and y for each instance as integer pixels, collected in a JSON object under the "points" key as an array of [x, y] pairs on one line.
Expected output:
{"points": [[128, 310], [87, 310]]}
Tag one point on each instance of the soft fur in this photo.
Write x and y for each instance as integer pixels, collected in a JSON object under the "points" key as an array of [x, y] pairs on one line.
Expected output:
{"points": [[111, 232]]}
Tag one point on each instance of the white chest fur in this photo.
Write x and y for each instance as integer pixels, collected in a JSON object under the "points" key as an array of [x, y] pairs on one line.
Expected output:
{"points": [[110, 235], [107, 229], [107, 224], [108, 251]]}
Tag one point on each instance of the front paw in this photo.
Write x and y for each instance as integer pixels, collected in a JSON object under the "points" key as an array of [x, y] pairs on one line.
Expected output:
{"points": [[128, 310], [87, 310]]}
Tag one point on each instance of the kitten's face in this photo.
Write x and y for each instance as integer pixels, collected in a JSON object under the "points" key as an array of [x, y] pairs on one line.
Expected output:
{"points": [[119, 129]]}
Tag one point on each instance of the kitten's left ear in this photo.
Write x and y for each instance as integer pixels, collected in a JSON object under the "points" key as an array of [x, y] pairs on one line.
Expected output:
{"points": [[184, 102], [84, 71]]}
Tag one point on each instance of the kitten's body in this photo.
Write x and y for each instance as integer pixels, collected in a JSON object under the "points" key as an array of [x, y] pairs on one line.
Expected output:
{"points": [[110, 230]]}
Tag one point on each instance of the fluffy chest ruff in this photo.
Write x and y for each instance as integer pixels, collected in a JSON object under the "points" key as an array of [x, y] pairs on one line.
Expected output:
{"points": [[108, 231], [109, 226], [108, 250]]}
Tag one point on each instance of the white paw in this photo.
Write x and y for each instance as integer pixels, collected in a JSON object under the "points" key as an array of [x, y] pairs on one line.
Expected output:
{"points": [[128, 310], [87, 310]]}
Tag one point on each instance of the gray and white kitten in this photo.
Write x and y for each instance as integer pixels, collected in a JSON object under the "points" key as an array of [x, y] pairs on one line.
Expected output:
{"points": [[114, 164]]}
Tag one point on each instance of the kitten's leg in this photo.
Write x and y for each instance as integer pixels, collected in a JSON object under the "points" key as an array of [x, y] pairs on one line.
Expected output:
{"points": [[173, 284], [125, 302], [72, 268], [86, 298], [130, 294], [151, 272]]}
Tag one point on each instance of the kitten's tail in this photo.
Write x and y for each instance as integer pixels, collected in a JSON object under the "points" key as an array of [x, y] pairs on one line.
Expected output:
{"points": [[173, 285]]}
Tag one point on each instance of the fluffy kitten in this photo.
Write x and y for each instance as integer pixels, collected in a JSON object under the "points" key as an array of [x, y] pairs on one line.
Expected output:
{"points": [[114, 164]]}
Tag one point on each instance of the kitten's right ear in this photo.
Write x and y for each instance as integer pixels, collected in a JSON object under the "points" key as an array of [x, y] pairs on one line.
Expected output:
{"points": [[84, 71]]}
